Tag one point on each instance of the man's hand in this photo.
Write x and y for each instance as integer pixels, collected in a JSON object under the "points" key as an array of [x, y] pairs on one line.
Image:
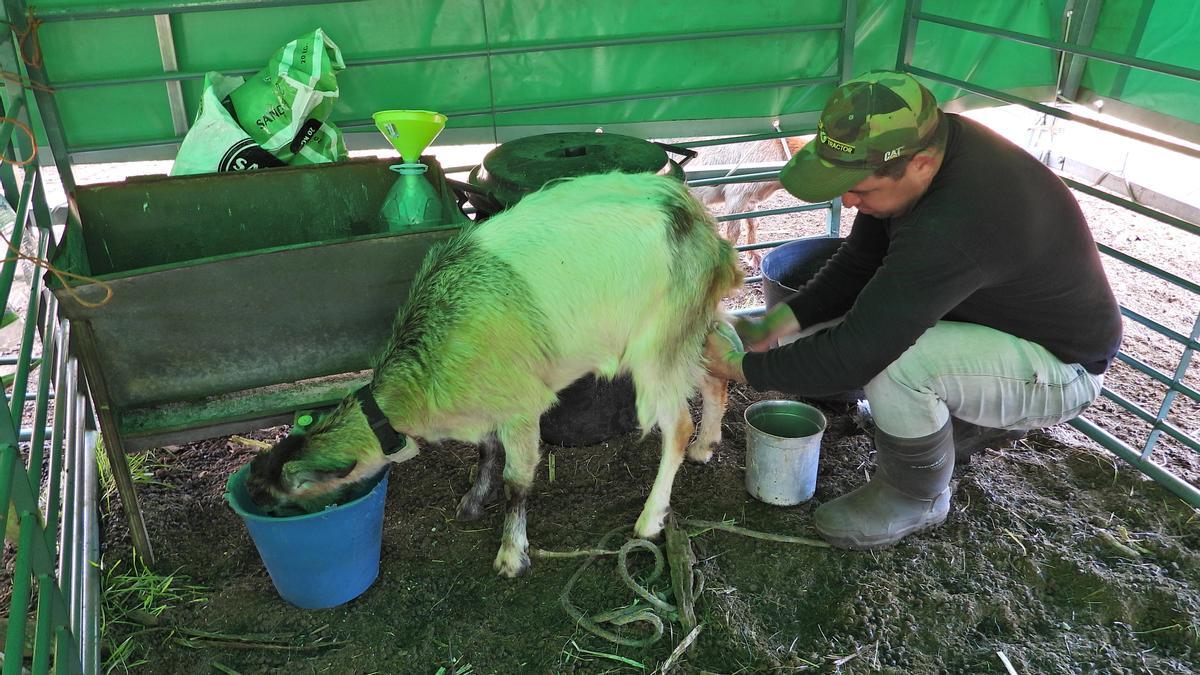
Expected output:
{"points": [[723, 357], [759, 334]]}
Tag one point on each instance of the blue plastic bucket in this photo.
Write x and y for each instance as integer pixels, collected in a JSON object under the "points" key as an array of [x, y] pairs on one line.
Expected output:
{"points": [[316, 560]]}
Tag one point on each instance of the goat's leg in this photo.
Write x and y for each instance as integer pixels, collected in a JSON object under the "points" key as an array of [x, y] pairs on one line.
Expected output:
{"points": [[470, 507], [733, 231], [521, 458], [675, 424], [714, 394], [752, 238]]}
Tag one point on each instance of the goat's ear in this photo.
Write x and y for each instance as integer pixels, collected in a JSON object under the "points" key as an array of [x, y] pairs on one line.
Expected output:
{"points": [[342, 473], [299, 477]]}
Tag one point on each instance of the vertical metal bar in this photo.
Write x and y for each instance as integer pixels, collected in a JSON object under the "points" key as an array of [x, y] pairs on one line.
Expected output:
{"points": [[37, 443], [89, 632], [1180, 370], [908, 34], [43, 634], [14, 642], [75, 473], [21, 376], [170, 62], [78, 552], [62, 652], [66, 535], [62, 388], [8, 460], [1135, 41], [1083, 37], [113, 447], [1068, 16], [833, 224], [10, 260], [849, 28]]}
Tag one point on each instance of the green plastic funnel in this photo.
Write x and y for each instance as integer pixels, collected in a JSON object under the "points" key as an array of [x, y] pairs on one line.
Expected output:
{"points": [[409, 131]]}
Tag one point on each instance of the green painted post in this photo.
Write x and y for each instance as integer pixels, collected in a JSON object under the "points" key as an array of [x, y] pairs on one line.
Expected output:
{"points": [[43, 633], [37, 443], [14, 642], [18, 230], [21, 377]]}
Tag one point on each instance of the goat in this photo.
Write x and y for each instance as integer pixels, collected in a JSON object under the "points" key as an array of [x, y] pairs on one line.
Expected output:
{"points": [[600, 274], [744, 197]]}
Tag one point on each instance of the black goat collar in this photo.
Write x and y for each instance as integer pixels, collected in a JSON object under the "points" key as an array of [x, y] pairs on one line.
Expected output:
{"points": [[389, 440]]}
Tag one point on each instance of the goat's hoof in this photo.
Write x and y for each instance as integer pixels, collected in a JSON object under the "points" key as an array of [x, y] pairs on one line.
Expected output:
{"points": [[468, 510], [650, 530], [511, 563], [701, 452]]}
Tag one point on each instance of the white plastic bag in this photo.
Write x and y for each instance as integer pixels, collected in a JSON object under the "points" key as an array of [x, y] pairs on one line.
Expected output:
{"points": [[277, 117]]}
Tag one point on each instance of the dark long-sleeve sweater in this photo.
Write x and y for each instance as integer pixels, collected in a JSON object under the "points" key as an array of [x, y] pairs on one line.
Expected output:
{"points": [[997, 240]]}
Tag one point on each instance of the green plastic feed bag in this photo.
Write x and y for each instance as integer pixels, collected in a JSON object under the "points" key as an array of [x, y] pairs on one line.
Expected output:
{"points": [[274, 118]]}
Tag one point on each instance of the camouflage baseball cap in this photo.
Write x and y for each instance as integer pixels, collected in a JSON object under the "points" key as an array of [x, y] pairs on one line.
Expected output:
{"points": [[867, 121]]}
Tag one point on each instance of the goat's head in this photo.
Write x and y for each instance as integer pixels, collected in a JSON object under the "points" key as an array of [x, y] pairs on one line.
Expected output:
{"points": [[332, 463]]}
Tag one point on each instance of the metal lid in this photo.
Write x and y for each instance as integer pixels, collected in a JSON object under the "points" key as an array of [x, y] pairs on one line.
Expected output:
{"points": [[516, 168]]}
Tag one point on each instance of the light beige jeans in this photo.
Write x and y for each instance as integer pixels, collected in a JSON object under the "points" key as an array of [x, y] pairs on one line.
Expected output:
{"points": [[979, 375]]}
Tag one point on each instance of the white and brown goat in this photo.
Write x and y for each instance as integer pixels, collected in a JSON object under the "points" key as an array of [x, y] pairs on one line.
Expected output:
{"points": [[744, 197], [602, 274]]}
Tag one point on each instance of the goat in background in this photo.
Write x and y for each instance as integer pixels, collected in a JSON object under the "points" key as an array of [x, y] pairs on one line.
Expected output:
{"points": [[744, 197]]}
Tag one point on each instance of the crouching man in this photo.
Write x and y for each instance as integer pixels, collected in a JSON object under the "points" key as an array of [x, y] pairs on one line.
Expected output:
{"points": [[970, 294]]}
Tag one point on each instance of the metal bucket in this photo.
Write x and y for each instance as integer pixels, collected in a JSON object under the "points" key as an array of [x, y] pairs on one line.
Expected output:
{"points": [[783, 444]]}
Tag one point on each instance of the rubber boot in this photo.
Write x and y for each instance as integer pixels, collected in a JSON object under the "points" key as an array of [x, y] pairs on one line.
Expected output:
{"points": [[970, 439], [910, 491]]}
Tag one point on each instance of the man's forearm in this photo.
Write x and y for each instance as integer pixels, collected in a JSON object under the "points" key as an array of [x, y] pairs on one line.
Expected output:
{"points": [[780, 322]]}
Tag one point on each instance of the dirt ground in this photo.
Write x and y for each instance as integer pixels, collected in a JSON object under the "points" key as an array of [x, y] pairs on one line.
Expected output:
{"points": [[1056, 556]]}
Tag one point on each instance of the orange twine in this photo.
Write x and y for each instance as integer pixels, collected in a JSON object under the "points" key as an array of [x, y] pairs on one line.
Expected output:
{"points": [[35, 60], [62, 276], [32, 141]]}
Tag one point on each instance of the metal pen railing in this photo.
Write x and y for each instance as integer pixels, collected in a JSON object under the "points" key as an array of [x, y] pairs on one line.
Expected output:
{"points": [[45, 488], [1157, 419]]}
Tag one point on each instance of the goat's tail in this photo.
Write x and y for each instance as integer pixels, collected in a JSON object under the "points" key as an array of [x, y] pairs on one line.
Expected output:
{"points": [[726, 276]]}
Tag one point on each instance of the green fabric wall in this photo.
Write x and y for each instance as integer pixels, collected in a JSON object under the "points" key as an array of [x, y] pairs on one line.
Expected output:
{"points": [[468, 87]]}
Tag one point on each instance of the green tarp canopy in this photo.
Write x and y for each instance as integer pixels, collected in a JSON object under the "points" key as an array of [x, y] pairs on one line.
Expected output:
{"points": [[502, 69]]}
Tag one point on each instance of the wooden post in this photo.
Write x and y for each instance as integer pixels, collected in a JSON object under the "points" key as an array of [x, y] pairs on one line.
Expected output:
{"points": [[85, 342]]}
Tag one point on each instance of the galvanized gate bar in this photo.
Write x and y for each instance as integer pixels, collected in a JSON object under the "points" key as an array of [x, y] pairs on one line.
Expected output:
{"points": [[1160, 329], [1170, 481], [1154, 423], [1055, 112], [1180, 371], [1174, 384], [1069, 89], [1142, 209], [1068, 47], [693, 91], [1146, 267], [471, 54], [101, 11], [170, 63], [1158, 376]]}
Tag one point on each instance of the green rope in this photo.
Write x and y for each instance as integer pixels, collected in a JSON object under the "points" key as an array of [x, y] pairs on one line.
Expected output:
{"points": [[621, 617]]}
